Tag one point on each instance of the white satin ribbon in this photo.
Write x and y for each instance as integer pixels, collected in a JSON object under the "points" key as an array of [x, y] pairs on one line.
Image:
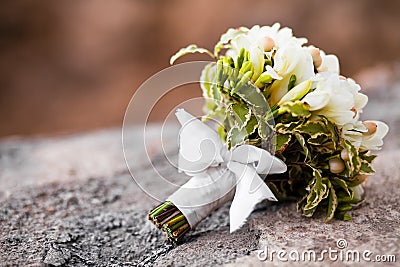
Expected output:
{"points": [[218, 175]]}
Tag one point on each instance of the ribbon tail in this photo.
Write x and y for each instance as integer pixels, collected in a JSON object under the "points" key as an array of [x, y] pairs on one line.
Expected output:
{"points": [[250, 190], [199, 145]]}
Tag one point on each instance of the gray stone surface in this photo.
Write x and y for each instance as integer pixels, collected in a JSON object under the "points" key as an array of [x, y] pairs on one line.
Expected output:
{"points": [[70, 200]]}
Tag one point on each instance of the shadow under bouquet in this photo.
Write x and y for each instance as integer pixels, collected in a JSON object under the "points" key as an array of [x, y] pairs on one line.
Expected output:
{"points": [[288, 129]]}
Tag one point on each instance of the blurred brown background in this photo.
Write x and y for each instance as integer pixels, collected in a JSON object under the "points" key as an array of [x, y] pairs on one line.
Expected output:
{"points": [[70, 66]]}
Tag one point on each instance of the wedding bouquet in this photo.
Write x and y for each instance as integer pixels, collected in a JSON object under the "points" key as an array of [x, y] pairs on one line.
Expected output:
{"points": [[289, 130]]}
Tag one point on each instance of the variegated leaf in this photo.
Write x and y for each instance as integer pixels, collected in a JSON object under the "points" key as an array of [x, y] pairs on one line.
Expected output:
{"points": [[241, 113], [332, 205], [189, 50], [303, 144], [317, 193], [253, 97], [281, 141], [287, 128], [296, 109], [354, 163], [313, 129], [342, 184]]}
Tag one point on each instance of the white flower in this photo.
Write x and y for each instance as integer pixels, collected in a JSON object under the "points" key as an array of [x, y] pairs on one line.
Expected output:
{"points": [[289, 60], [330, 63], [338, 100], [353, 132], [257, 35], [322, 61], [374, 141], [362, 138], [260, 40]]}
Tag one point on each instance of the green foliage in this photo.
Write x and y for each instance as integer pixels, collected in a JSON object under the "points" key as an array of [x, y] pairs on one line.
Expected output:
{"points": [[296, 109], [292, 82], [332, 205], [281, 142], [306, 143], [318, 192]]}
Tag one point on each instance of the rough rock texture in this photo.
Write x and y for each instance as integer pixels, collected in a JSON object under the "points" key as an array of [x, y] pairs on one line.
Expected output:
{"points": [[71, 201]]}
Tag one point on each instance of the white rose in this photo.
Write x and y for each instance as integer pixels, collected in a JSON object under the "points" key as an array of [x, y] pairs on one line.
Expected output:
{"points": [[374, 141], [257, 36], [362, 138], [336, 99], [260, 40], [330, 63], [289, 60], [353, 132]]}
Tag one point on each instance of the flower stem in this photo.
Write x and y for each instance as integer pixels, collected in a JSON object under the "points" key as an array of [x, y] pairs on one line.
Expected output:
{"points": [[170, 219]]}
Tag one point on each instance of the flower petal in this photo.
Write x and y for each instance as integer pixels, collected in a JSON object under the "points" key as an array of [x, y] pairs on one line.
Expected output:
{"points": [[317, 99], [329, 63]]}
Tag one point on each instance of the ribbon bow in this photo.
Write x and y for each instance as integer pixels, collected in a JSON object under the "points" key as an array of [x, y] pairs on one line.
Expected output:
{"points": [[218, 175]]}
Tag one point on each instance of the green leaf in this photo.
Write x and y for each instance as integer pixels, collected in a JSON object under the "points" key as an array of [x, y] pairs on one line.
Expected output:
{"points": [[317, 141], [287, 128], [354, 163], [343, 217], [344, 207], [229, 122], [318, 192], [239, 135], [296, 109], [215, 93], [342, 184], [241, 113], [366, 168], [281, 141], [332, 205], [367, 158], [303, 144], [189, 50], [264, 129], [244, 81], [332, 128], [346, 217], [210, 105], [292, 82], [251, 125], [221, 132], [207, 78], [301, 203], [322, 149], [253, 97], [313, 129], [236, 136], [328, 184]]}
